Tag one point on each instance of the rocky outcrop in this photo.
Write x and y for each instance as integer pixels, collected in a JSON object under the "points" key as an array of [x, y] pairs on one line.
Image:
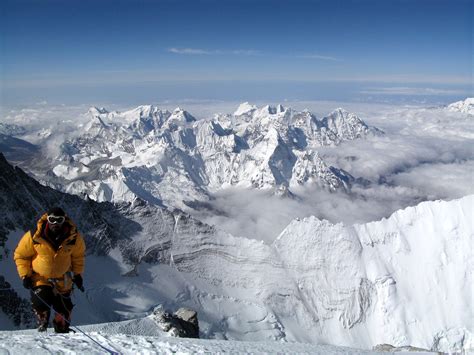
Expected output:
{"points": [[183, 323], [15, 307]]}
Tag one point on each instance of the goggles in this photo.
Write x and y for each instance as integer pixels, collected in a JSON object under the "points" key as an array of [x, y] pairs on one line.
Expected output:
{"points": [[56, 219]]}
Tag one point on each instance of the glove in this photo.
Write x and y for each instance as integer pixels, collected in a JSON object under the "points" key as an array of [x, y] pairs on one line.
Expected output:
{"points": [[27, 282], [78, 282]]}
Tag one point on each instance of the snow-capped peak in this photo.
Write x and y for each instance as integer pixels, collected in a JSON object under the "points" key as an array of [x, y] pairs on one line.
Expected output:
{"points": [[143, 111], [245, 108], [346, 125], [280, 108], [182, 115], [339, 112], [96, 111], [463, 106]]}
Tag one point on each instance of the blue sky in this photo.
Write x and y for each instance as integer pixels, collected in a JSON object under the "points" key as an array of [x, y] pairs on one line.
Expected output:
{"points": [[114, 50]]}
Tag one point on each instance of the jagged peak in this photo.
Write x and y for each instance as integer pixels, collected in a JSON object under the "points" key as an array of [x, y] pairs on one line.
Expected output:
{"points": [[339, 111], [96, 120], [245, 108], [144, 113], [340, 114], [180, 114], [97, 111], [248, 109], [463, 106], [265, 111], [144, 110]]}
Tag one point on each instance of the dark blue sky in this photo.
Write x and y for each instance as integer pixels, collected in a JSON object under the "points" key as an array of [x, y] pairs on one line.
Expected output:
{"points": [[111, 50]]}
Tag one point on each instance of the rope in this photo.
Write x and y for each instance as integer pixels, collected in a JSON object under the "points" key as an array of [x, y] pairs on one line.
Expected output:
{"points": [[112, 352]]}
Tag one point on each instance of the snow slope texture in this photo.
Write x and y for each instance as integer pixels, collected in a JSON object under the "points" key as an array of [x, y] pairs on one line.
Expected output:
{"points": [[402, 280]]}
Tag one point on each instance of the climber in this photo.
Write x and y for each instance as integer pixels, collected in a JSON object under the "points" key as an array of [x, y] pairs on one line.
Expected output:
{"points": [[49, 261]]}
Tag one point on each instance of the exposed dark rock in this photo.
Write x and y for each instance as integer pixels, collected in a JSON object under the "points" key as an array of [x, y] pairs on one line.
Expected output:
{"points": [[16, 308], [183, 323]]}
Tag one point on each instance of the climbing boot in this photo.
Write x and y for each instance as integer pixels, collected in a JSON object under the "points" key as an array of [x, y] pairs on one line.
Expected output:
{"points": [[60, 324], [42, 320]]}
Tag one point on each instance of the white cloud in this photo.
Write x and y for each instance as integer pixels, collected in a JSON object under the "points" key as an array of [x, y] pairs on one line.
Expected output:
{"points": [[263, 216], [251, 52], [408, 79], [446, 181], [318, 56], [200, 51], [412, 91]]}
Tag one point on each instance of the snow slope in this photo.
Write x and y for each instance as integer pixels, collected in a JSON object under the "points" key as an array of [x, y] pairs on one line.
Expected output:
{"points": [[142, 335], [32, 342], [405, 279]]}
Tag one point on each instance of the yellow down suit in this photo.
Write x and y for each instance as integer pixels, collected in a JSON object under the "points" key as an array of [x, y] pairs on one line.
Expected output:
{"points": [[36, 257]]}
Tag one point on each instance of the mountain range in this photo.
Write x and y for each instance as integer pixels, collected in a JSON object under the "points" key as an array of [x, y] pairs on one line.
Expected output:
{"points": [[383, 282], [171, 158]]}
